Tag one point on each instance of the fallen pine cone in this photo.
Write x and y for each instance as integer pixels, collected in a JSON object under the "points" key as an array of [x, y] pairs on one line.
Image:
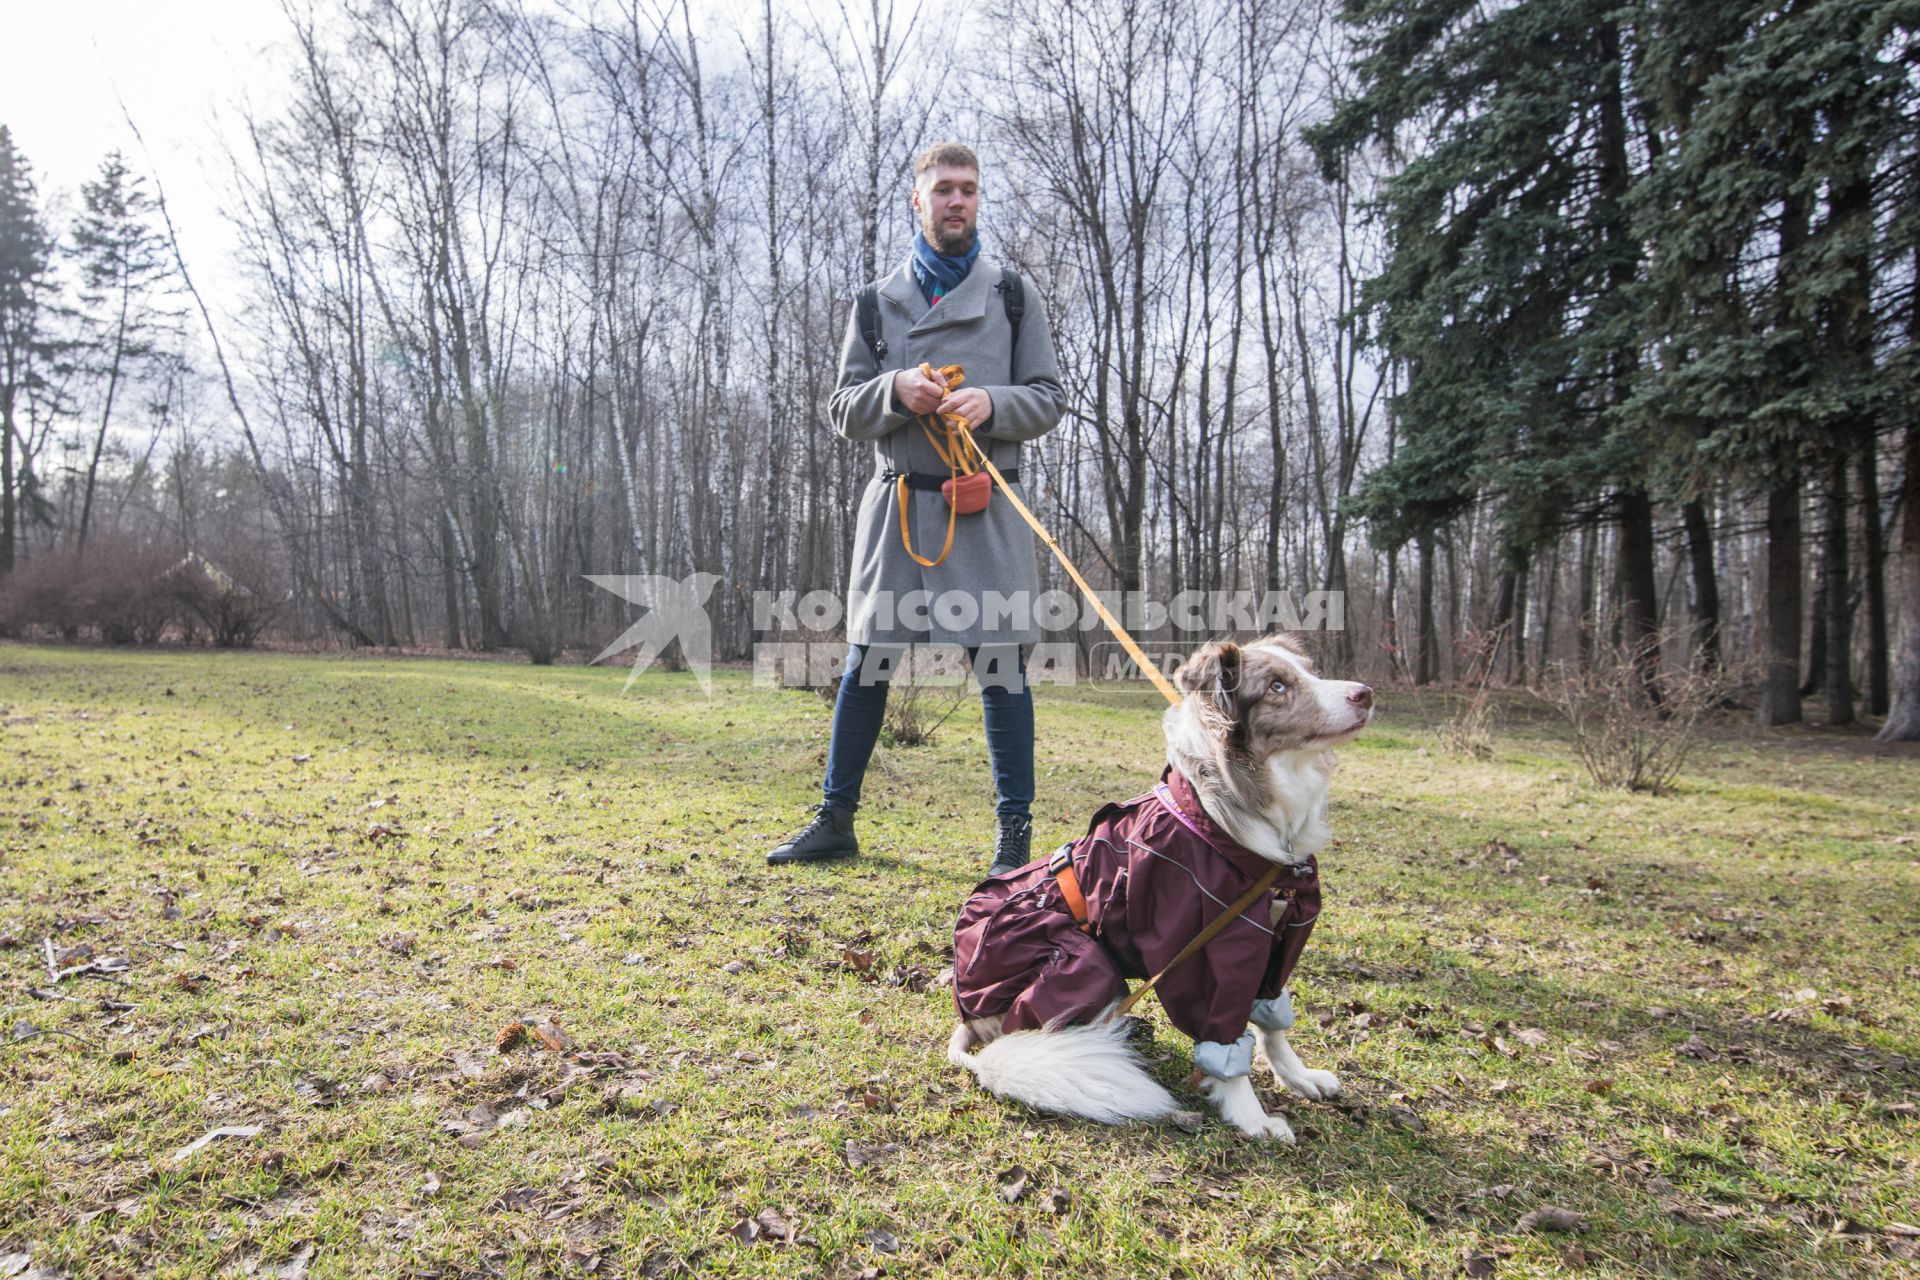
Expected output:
{"points": [[510, 1035]]}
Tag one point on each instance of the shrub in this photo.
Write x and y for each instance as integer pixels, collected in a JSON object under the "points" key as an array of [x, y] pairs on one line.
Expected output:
{"points": [[124, 594], [43, 592], [1634, 723], [539, 633], [923, 693], [116, 589], [233, 600], [1468, 731]]}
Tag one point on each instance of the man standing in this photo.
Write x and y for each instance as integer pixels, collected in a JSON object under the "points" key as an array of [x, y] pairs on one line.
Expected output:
{"points": [[942, 306]]}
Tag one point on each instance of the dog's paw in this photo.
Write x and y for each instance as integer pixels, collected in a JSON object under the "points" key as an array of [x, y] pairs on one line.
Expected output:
{"points": [[1240, 1107], [1309, 1083], [1270, 1129]]}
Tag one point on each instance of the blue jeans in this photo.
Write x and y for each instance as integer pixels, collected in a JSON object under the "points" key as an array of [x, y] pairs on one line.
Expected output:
{"points": [[862, 704]]}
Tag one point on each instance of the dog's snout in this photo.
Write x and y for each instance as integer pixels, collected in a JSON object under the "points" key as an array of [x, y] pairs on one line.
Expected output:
{"points": [[1361, 696]]}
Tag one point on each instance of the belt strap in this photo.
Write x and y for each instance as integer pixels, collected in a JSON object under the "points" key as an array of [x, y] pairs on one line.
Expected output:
{"points": [[928, 482]]}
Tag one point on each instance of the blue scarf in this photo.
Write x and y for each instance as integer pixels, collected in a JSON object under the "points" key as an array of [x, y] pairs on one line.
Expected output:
{"points": [[940, 274]]}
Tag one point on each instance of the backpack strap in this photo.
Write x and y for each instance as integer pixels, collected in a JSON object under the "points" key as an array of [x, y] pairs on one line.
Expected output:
{"points": [[1013, 296], [867, 308]]}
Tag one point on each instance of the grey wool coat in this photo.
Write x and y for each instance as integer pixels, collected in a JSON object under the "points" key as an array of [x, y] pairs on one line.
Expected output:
{"points": [[984, 591]]}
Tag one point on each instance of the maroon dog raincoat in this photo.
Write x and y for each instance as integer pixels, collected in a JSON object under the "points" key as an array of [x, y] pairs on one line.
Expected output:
{"points": [[1155, 870]]}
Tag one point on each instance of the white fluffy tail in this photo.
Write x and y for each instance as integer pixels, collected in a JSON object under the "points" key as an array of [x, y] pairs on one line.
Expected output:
{"points": [[1088, 1071]]}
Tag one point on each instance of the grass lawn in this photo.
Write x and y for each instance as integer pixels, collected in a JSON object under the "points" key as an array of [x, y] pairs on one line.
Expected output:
{"points": [[315, 890]]}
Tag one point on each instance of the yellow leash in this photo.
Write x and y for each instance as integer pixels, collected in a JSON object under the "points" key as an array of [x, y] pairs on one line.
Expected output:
{"points": [[955, 457], [953, 375], [1069, 883]]}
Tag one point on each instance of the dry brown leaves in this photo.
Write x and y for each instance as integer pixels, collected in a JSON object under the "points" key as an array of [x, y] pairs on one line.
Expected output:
{"points": [[769, 1226]]}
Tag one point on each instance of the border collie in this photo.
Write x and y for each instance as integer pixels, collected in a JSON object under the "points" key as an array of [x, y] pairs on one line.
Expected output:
{"points": [[1042, 955]]}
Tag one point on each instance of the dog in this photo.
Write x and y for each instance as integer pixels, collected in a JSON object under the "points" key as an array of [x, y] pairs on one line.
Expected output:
{"points": [[1037, 975]]}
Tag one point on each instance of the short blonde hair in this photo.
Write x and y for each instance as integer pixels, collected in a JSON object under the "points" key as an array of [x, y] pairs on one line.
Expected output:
{"points": [[948, 153]]}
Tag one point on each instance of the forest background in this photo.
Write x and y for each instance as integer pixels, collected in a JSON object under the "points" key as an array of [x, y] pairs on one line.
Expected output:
{"points": [[1535, 329]]}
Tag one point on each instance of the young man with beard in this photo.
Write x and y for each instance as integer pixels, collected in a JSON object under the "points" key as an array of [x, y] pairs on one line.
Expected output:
{"points": [[944, 305]]}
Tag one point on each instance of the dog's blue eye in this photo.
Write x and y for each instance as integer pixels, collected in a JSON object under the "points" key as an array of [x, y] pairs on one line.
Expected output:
{"points": [[1279, 686]]}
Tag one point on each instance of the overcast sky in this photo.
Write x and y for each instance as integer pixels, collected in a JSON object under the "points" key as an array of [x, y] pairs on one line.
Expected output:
{"points": [[175, 65], [182, 70]]}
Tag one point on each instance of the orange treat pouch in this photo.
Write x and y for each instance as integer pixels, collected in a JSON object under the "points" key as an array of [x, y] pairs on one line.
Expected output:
{"points": [[968, 494]]}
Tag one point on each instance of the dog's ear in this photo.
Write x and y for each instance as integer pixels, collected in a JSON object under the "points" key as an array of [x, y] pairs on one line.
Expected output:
{"points": [[1215, 673]]}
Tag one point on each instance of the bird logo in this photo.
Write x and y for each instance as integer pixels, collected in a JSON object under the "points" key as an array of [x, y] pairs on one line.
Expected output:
{"points": [[677, 609]]}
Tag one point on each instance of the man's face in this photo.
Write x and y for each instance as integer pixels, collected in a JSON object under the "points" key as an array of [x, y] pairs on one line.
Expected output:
{"points": [[947, 200]]}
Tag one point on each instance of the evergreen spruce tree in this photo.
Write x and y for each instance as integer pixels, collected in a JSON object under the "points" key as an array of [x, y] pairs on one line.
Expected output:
{"points": [[1508, 287], [1771, 210], [26, 260], [126, 276]]}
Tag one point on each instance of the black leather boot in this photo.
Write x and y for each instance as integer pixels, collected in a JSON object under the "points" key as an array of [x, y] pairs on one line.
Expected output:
{"points": [[828, 835], [1014, 847]]}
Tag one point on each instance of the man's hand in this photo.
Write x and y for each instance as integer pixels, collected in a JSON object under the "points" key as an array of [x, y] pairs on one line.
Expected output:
{"points": [[971, 403], [915, 392]]}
